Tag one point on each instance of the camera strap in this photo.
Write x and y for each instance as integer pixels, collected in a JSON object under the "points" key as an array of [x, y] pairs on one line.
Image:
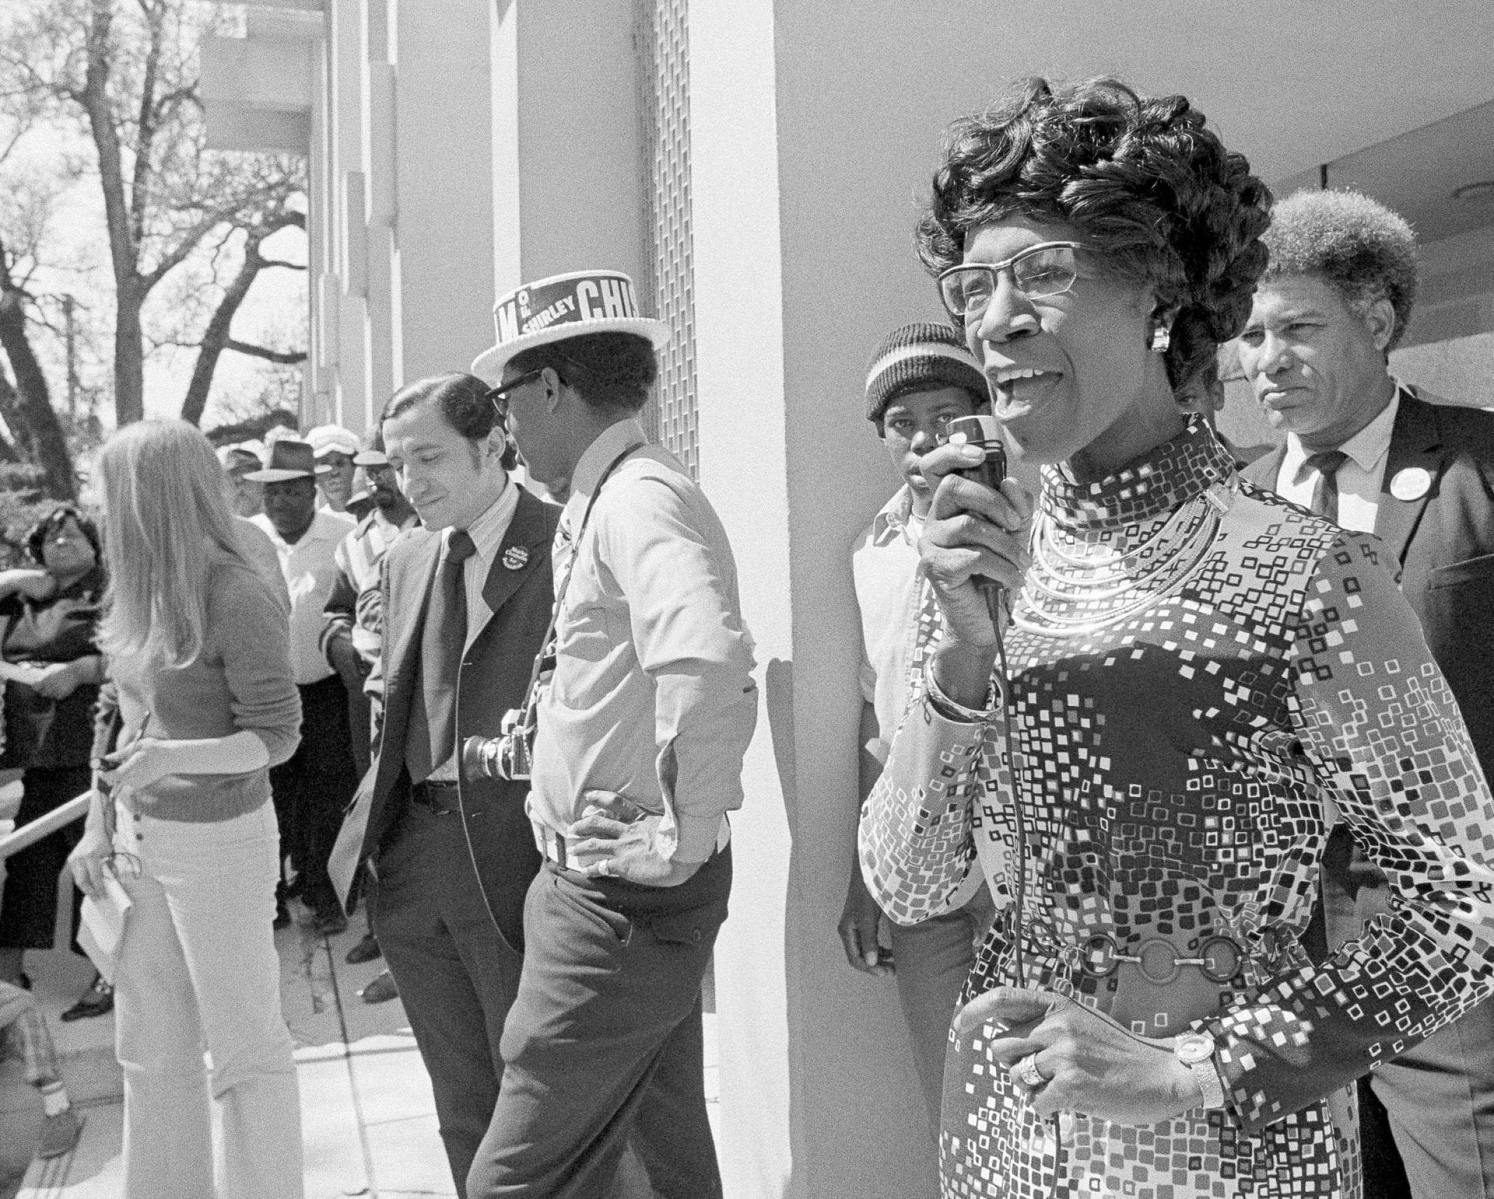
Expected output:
{"points": [[527, 712]]}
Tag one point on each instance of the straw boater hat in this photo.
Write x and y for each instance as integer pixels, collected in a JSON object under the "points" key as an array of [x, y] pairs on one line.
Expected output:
{"points": [[285, 459], [562, 306]]}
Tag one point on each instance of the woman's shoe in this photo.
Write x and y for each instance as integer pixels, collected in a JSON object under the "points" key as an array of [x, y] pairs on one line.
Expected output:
{"points": [[98, 1000]]}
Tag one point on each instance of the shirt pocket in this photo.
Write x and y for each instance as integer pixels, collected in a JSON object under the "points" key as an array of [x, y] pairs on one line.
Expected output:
{"points": [[581, 656]]}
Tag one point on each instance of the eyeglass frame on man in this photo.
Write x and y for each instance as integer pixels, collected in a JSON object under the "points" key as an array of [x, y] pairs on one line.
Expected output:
{"points": [[993, 271], [498, 395]]}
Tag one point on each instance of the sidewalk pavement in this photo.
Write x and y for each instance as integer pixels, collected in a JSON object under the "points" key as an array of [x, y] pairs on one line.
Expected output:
{"points": [[366, 1109]]}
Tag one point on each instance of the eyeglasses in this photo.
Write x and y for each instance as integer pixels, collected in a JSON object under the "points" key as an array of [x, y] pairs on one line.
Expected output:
{"points": [[1038, 272], [498, 396]]}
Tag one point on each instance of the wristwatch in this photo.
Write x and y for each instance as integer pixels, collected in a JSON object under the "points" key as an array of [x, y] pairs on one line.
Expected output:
{"points": [[1196, 1051]]}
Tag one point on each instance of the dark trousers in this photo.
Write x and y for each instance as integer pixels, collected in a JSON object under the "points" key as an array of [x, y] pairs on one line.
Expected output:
{"points": [[28, 905], [313, 787], [456, 973], [603, 1044], [1426, 1118]]}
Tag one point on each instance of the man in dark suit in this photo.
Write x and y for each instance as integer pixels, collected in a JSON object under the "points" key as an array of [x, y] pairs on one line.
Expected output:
{"points": [[467, 601], [1379, 456]]}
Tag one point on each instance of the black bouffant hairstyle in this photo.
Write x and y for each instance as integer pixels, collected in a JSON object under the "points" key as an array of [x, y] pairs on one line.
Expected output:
{"points": [[1144, 182]]}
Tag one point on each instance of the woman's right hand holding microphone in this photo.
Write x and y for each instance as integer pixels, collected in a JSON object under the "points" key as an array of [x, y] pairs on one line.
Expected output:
{"points": [[972, 532]]}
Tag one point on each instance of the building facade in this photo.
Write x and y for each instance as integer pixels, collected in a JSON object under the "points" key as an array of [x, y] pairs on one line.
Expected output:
{"points": [[757, 167]]}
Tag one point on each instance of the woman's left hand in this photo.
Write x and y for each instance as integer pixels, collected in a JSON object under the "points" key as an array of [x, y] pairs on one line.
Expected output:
{"points": [[138, 765], [1091, 1064]]}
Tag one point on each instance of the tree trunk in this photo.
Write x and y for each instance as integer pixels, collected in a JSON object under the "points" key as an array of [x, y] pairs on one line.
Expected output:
{"points": [[129, 354], [216, 336], [34, 401]]}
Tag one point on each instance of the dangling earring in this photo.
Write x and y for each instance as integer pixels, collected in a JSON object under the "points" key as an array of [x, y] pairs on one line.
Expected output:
{"points": [[1161, 338]]}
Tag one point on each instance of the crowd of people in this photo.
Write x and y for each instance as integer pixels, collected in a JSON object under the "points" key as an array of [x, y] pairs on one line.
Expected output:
{"points": [[1173, 823]]}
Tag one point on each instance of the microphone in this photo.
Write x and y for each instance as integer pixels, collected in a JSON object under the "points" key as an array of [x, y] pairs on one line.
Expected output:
{"points": [[984, 430]]}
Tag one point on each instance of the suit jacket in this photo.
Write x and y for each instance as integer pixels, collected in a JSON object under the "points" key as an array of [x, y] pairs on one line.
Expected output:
{"points": [[1442, 536], [493, 677]]}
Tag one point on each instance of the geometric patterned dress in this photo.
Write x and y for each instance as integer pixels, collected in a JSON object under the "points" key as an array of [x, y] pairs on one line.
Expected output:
{"points": [[1202, 679]]}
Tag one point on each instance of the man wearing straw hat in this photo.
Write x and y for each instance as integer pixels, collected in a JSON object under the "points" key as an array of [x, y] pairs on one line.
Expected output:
{"points": [[636, 739]]}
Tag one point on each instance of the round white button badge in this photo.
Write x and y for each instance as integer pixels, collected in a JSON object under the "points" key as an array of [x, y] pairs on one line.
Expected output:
{"points": [[1411, 483]]}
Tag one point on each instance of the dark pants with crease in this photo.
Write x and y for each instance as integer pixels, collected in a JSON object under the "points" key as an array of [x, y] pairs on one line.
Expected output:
{"points": [[457, 975], [603, 1044], [1426, 1118], [312, 789]]}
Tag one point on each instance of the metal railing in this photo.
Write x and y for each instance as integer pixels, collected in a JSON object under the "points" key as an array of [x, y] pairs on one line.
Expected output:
{"points": [[29, 834]]}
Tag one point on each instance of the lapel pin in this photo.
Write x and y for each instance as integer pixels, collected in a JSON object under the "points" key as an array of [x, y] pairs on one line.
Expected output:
{"points": [[1411, 483], [515, 557]]}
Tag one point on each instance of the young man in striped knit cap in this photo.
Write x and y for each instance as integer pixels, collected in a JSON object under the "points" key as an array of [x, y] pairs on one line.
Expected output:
{"points": [[920, 379]]}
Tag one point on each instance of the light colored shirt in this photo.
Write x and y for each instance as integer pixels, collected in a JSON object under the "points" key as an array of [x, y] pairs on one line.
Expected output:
{"points": [[652, 698], [487, 533], [359, 612], [309, 567], [1359, 478], [889, 582]]}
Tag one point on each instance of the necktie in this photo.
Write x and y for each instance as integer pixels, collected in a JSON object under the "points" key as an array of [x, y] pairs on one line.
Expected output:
{"points": [[1325, 490], [441, 645]]}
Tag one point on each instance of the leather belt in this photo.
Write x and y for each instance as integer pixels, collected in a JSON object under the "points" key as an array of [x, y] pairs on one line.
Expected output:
{"points": [[551, 844], [439, 797]]}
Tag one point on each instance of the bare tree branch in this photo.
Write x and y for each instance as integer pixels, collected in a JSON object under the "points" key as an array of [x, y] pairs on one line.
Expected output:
{"points": [[285, 357]]}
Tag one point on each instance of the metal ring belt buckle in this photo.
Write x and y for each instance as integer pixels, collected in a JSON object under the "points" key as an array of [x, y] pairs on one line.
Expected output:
{"points": [[1158, 961]]}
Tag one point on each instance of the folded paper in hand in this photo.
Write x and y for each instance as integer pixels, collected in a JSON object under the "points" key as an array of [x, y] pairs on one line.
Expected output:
{"points": [[101, 927]]}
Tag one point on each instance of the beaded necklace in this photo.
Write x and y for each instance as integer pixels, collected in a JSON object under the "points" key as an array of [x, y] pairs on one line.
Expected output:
{"points": [[1069, 594]]}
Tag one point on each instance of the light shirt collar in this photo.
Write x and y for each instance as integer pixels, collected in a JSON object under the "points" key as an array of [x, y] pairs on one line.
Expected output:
{"points": [[1366, 449], [896, 519], [488, 530], [614, 440]]}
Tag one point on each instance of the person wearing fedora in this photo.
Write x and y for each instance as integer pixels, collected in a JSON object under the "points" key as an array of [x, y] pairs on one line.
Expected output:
{"points": [[314, 785], [1377, 455], [466, 600], [637, 744]]}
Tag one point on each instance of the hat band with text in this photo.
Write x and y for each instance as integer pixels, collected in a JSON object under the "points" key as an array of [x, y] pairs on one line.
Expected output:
{"points": [[574, 300]]}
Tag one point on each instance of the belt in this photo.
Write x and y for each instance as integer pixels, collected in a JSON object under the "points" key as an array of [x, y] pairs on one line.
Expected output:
{"points": [[439, 797], [551, 844]]}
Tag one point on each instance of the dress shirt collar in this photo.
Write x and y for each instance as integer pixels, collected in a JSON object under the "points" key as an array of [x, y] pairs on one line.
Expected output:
{"points": [[1366, 449], [488, 530], [616, 439]]}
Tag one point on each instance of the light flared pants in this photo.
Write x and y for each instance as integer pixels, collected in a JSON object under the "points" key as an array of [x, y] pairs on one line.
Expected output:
{"points": [[197, 970]]}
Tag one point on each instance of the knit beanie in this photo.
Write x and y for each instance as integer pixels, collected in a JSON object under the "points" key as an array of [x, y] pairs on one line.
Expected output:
{"points": [[920, 357]]}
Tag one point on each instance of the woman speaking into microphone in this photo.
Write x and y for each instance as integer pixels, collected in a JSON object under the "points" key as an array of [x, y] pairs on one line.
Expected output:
{"points": [[1194, 682]]}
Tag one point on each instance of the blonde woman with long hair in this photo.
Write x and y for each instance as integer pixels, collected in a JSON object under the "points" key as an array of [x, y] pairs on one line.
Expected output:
{"points": [[198, 651]]}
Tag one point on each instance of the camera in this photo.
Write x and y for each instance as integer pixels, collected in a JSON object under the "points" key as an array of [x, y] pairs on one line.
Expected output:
{"points": [[508, 756]]}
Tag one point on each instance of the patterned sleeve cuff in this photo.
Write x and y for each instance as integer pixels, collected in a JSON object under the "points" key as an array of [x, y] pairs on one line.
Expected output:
{"points": [[959, 713]]}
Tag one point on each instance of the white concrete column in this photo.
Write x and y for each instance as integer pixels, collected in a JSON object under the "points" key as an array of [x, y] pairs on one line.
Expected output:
{"points": [[567, 142], [802, 212], [443, 189]]}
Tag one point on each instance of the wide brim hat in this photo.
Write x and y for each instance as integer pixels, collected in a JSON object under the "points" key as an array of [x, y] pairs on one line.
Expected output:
{"points": [[286, 459], [576, 304]]}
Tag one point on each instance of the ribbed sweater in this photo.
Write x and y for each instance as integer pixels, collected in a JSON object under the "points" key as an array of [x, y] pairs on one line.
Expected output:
{"points": [[240, 681]]}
